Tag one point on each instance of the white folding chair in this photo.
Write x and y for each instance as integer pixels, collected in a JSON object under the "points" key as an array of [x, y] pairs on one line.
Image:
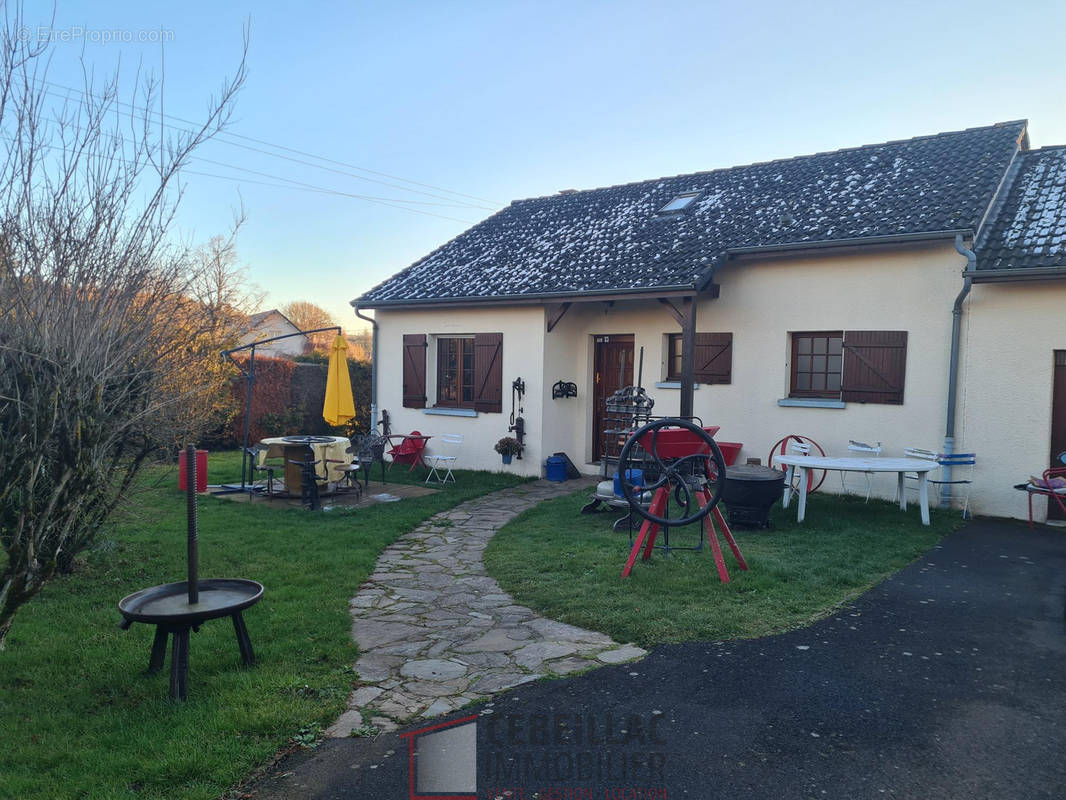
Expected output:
{"points": [[443, 461], [796, 449], [954, 469], [867, 449]]}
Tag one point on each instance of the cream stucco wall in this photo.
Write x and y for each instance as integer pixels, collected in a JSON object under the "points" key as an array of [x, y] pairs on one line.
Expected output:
{"points": [[1009, 333], [761, 303], [1005, 388], [523, 356]]}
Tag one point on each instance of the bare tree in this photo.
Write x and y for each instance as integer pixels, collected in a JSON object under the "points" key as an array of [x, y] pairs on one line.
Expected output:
{"points": [[360, 345], [307, 317], [209, 319], [90, 283]]}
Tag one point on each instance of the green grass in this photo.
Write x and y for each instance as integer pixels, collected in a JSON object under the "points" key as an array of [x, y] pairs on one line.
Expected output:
{"points": [[81, 719], [568, 566]]}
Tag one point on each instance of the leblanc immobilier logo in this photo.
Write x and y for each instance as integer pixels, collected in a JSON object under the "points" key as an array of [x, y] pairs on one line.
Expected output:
{"points": [[442, 761]]}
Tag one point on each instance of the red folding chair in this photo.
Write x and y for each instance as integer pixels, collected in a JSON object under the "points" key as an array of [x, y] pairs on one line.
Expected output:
{"points": [[409, 450], [1049, 488]]}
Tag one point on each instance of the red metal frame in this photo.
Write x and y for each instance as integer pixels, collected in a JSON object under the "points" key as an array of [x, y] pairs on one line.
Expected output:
{"points": [[783, 445], [1054, 472], [410, 449], [650, 530]]}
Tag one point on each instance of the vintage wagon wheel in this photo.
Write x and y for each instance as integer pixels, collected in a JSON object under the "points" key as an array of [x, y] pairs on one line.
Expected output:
{"points": [[685, 460], [780, 447]]}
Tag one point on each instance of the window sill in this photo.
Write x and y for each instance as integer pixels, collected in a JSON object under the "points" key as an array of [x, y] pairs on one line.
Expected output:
{"points": [[673, 385], [450, 412], [811, 402]]}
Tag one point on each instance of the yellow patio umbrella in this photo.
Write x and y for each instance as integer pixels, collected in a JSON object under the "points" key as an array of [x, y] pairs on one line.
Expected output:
{"points": [[339, 406]]}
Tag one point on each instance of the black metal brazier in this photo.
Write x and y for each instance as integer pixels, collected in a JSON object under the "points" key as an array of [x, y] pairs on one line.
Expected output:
{"points": [[749, 491]]}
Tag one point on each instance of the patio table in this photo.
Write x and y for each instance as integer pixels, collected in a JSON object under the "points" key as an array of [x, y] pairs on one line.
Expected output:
{"points": [[901, 466], [291, 448]]}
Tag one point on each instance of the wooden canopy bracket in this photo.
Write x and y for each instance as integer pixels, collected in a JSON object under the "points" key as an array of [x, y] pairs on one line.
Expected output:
{"points": [[554, 319], [674, 311]]}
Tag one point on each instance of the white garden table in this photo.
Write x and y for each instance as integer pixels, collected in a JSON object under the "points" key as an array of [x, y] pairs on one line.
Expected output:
{"points": [[901, 466]]}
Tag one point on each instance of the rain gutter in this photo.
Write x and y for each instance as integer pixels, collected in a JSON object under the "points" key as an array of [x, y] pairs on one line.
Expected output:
{"points": [[1019, 274], [575, 296], [825, 244]]}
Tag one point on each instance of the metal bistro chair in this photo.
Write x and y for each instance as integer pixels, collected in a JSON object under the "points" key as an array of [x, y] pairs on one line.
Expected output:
{"points": [[308, 479], [350, 471], [444, 461], [369, 449], [253, 457], [948, 463], [868, 449]]}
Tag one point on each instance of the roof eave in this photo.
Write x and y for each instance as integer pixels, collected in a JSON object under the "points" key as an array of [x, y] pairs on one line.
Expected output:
{"points": [[1019, 274], [570, 296], [864, 241]]}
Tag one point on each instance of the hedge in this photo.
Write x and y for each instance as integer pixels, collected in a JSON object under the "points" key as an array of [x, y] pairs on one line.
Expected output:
{"points": [[287, 399]]}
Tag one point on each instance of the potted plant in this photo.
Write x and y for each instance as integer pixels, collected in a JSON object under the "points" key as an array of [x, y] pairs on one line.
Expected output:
{"points": [[507, 447]]}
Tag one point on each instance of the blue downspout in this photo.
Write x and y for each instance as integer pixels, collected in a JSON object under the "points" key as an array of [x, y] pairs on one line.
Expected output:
{"points": [[953, 364]]}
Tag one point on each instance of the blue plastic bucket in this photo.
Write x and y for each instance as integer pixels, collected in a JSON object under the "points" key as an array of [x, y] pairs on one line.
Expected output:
{"points": [[555, 469], [634, 476]]}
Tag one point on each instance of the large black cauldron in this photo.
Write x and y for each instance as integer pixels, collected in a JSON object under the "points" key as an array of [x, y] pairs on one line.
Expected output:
{"points": [[749, 491]]}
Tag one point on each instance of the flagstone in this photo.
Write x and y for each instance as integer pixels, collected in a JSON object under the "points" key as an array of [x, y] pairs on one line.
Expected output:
{"points": [[432, 669], [437, 633]]}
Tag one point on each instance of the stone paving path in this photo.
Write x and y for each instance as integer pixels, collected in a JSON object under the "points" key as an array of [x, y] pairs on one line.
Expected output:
{"points": [[435, 632]]}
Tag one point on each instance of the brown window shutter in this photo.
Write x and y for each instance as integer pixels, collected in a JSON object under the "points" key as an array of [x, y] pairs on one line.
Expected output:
{"points": [[875, 364], [714, 358], [414, 370], [488, 372]]}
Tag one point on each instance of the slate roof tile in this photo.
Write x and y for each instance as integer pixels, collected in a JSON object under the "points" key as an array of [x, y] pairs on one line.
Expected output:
{"points": [[1029, 228], [612, 238]]}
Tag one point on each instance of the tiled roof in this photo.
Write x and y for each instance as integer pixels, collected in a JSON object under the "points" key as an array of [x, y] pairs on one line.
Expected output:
{"points": [[1029, 228], [613, 239]]}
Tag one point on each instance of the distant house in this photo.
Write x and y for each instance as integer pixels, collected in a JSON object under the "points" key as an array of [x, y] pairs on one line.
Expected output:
{"points": [[911, 293], [267, 325]]}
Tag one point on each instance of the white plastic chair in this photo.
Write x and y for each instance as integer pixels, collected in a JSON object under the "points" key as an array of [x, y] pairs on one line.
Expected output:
{"points": [[960, 466], [867, 449], [443, 461]]}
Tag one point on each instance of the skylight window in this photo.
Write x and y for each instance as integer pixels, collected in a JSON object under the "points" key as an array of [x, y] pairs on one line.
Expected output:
{"points": [[679, 203]]}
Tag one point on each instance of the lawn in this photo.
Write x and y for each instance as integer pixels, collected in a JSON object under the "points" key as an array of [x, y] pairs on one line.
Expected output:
{"points": [[567, 566], [80, 717]]}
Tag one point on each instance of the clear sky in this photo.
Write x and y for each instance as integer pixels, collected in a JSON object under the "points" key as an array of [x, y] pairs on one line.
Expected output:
{"points": [[504, 100]]}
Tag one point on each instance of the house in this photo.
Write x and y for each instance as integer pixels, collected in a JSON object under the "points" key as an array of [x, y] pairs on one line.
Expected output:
{"points": [[268, 324], [910, 292]]}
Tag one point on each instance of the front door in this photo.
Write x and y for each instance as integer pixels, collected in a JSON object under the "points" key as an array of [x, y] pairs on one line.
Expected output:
{"points": [[1058, 424], [613, 371]]}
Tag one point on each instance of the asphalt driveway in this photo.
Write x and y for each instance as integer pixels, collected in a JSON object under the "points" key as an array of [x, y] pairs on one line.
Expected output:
{"points": [[946, 681]]}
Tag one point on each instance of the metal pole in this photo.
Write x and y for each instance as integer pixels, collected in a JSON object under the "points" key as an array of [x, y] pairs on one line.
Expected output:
{"points": [[688, 357], [250, 374], [247, 416], [192, 551]]}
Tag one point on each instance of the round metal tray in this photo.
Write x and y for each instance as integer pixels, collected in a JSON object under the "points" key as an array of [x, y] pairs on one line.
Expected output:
{"points": [[169, 602]]}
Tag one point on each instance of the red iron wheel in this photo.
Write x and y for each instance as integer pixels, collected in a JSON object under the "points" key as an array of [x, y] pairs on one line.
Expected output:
{"points": [[780, 448]]}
